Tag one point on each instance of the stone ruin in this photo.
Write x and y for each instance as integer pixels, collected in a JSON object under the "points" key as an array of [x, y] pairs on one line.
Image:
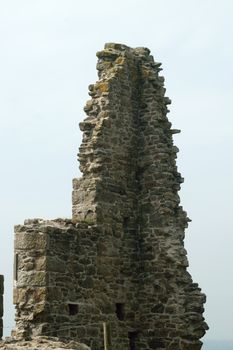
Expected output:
{"points": [[120, 261]]}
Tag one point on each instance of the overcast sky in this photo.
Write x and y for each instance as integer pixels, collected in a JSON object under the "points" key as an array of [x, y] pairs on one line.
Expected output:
{"points": [[47, 61]]}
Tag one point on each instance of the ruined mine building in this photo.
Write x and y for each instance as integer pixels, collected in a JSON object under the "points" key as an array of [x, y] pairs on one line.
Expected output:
{"points": [[121, 259]]}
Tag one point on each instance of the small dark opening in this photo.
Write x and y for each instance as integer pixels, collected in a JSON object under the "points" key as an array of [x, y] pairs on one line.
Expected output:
{"points": [[132, 340], [120, 312], [73, 309], [16, 266], [125, 223], [138, 177]]}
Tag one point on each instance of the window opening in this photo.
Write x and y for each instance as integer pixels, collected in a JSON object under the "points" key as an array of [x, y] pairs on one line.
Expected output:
{"points": [[132, 340], [73, 309], [120, 312]]}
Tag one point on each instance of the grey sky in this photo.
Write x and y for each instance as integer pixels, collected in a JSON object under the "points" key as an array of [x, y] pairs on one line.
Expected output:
{"points": [[47, 60]]}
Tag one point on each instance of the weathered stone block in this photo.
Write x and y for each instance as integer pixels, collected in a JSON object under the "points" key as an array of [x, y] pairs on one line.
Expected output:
{"points": [[34, 278], [30, 295], [54, 264], [30, 241], [40, 263]]}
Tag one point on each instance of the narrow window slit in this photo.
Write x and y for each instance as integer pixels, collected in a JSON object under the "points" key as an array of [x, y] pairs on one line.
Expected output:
{"points": [[132, 340], [120, 312], [16, 266]]}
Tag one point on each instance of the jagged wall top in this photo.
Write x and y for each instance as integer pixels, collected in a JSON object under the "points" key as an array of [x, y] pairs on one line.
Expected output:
{"points": [[111, 64], [113, 130]]}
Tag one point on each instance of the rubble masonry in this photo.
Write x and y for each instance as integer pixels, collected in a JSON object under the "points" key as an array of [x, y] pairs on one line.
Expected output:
{"points": [[121, 258]]}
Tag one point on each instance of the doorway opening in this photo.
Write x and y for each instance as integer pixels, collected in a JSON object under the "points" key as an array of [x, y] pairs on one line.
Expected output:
{"points": [[132, 339]]}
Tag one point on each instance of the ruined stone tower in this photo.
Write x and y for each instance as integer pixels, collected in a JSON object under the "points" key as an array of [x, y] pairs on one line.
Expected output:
{"points": [[121, 258]]}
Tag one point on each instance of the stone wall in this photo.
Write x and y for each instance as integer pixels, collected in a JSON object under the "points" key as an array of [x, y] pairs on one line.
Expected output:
{"points": [[1, 304], [41, 343], [70, 286], [121, 259]]}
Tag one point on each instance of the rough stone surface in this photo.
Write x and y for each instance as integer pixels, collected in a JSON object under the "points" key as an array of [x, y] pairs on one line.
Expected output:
{"points": [[121, 259], [41, 343], [1, 304]]}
